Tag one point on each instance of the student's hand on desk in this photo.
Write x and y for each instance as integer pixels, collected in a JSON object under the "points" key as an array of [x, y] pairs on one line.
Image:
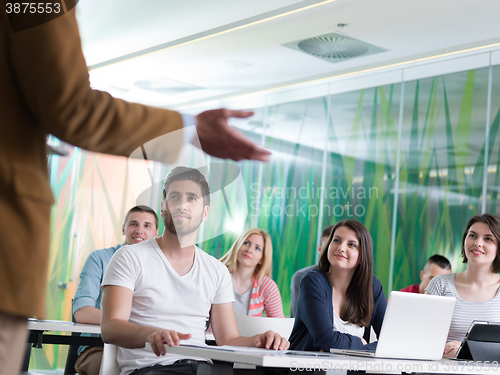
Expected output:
{"points": [[363, 341], [271, 340], [157, 340], [450, 349]]}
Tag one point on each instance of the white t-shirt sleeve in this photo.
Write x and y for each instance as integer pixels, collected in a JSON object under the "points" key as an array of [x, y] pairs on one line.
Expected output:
{"points": [[122, 270], [224, 292]]}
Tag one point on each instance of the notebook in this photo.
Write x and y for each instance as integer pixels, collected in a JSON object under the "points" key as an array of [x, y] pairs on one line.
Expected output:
{"points": [[415, 326]]}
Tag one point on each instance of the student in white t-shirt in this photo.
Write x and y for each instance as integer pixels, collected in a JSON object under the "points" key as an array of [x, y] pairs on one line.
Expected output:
{"points": [[163, 291]]}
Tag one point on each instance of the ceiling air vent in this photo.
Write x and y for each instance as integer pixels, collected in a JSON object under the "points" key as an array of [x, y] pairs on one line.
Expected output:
{"points": [[334, 47]]}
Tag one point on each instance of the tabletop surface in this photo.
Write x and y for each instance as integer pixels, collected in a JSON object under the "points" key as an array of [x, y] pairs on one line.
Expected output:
{"points": [[62, 326], [297, 360]]}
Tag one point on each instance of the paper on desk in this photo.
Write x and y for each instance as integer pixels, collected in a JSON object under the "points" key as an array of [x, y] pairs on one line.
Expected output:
{"points": [[247, 350], [229, 348], [50, 321]]}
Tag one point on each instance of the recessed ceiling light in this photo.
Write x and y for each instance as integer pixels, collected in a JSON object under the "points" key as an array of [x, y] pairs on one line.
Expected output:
{"points": [[237, 64], [342, 25], [164, 85]]}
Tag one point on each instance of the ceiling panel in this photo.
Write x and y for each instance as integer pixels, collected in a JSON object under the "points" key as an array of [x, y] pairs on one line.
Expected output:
{"points": [[253, 58]]}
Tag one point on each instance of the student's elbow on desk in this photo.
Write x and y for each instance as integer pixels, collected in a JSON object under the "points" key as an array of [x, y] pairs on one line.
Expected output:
{"points": [[107, 332], [88, 315], [80, 317]]}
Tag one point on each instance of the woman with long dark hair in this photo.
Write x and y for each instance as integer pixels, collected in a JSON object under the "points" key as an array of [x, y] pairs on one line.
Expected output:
{"points": [[477, 289], [341, 300]]}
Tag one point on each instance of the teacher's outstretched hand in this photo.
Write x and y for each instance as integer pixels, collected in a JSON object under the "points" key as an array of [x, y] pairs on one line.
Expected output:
{"points": [[219, 139]]}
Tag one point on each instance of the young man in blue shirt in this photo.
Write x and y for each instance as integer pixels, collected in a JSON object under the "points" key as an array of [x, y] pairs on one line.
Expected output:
{"points": [[140, 224]]}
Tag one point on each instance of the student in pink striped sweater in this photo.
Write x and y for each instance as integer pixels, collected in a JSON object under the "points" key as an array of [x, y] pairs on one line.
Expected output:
{"points": [[249, 261]]}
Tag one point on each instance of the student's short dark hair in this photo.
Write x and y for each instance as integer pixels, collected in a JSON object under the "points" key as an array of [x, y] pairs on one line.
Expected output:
{"points": [[326, 231], [141, 208], [191, 174], [493, 222], [439, 261]]}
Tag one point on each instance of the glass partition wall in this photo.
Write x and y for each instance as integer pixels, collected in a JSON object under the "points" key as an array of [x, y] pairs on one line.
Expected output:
{"points": [[441, 175], [412, 160]]}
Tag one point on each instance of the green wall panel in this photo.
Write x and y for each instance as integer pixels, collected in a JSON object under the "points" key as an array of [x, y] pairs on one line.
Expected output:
{"points": [[441, 175]]}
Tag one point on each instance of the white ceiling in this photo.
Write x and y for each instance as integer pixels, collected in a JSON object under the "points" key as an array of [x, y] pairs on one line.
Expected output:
{"points": [[248, 55]]}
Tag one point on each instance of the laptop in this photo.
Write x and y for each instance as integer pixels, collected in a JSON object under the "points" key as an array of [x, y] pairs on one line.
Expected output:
{"points": [[415, 326]]}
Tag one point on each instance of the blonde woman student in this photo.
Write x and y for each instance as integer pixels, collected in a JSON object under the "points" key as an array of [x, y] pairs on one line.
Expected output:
{"points": [[249, 261], [477, 289]]}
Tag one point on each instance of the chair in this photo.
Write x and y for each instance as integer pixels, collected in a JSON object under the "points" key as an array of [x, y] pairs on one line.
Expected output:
{"points": [[72, 356], [109, 364], [69, 369], [252, 325]]}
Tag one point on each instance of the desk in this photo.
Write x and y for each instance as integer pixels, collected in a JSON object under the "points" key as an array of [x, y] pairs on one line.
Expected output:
{"points": [[38, 330], [308, 361]]}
